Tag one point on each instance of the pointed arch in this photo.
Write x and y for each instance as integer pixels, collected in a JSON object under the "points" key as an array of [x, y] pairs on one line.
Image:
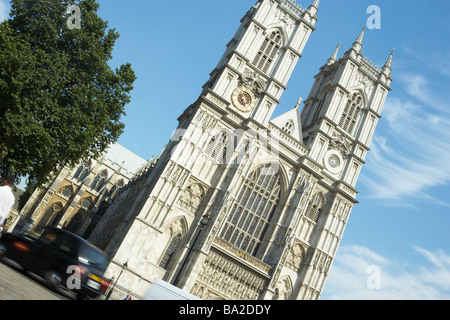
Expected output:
{"points": [[360, 90], [352, 112], [52, 215], [295, 257], [269, 49], [176, 231], [100, 180], [283, 290], [116, 188], [280, 28], [82, 171]]}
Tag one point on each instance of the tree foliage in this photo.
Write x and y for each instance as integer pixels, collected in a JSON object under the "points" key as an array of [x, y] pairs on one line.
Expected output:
{"points": [[59, 98]]}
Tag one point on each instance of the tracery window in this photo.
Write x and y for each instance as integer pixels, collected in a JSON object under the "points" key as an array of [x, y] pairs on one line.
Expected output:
{"points": [[351, 113], [253, 210], [67, 191], [99, 180], [86, 203], [82, 171], [116, 188], [268, 51], [315, 207]]}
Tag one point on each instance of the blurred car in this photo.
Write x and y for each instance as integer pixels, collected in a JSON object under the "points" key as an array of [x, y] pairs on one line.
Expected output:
{"points": [[62, 258]]}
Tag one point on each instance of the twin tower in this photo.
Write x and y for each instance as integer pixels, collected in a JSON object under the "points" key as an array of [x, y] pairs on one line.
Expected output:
{"points": [[242, 206]]}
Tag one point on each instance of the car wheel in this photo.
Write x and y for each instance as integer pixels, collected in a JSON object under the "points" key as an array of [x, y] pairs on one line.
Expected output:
{"points": [[53, 279]]}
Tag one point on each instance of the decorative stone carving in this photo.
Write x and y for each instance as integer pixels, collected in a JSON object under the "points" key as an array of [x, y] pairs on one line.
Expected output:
{"points": [[191, 198], [341, 144], [253, 80], [283, 290], [229, 278], [286, 19], [295, 257], [322, 261]]}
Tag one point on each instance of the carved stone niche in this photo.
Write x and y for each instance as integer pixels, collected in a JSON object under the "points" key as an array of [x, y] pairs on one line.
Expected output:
{"points": [[283, 291], [295, 257], [192, 197]]}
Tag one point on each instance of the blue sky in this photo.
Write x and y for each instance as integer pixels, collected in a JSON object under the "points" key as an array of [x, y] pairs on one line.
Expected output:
{"points": [[396, 245]]}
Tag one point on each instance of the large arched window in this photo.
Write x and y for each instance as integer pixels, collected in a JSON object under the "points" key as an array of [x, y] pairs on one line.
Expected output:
{"points": [[351, 113], [253, 210], [268, 51]]}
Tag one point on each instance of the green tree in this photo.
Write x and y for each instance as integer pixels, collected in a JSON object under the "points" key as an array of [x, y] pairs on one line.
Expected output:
{"points": [[59, 98]]}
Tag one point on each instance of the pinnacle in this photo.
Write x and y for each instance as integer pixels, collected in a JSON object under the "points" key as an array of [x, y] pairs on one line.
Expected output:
{"points": [[389, 61], [361, 36]]}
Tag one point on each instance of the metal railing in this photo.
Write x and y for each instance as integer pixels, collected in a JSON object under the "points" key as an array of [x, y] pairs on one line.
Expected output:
{"points": [[121, 293]]}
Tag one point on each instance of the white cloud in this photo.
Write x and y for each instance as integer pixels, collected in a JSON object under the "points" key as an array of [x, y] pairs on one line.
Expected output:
{"points": [[4, 10], [361, 274], [434, 60], [412, 154]]}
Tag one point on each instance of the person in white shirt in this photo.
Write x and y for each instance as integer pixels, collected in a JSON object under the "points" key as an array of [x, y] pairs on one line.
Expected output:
{"points": [[7, 198]]}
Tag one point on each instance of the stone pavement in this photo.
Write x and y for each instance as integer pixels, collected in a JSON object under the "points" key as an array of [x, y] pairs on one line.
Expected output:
{"points": [[15, 285]]}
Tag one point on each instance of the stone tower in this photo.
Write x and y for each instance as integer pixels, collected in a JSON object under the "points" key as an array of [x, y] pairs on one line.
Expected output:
{"points": [[238, 206]]}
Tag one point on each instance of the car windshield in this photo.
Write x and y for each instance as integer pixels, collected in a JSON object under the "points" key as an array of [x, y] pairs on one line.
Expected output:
{"points": [[93, 256]]}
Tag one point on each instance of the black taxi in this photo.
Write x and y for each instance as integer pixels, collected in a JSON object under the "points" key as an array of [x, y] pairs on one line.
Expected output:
{"points": [[62, 258]]}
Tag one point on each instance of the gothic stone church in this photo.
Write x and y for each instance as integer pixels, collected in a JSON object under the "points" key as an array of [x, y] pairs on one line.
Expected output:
{"points": [[239, 205]]}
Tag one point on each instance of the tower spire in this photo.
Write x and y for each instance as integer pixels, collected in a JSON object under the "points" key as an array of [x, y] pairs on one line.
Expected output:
{"points": [[389, 61], [333, 57], [315, 4], [312, 11], [357, 45], [356, 48], [388, 65]]}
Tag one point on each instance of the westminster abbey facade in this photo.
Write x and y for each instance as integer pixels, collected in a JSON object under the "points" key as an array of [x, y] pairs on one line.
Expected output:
{"points": [[240, 205]]}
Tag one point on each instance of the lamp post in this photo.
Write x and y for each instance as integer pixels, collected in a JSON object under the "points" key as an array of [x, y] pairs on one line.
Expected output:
{"points": [[203, 223], [125, 265]]}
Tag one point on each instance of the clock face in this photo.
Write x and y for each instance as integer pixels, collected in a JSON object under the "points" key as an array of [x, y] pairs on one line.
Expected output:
{"points": [[334, 162], [243, 99]]}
